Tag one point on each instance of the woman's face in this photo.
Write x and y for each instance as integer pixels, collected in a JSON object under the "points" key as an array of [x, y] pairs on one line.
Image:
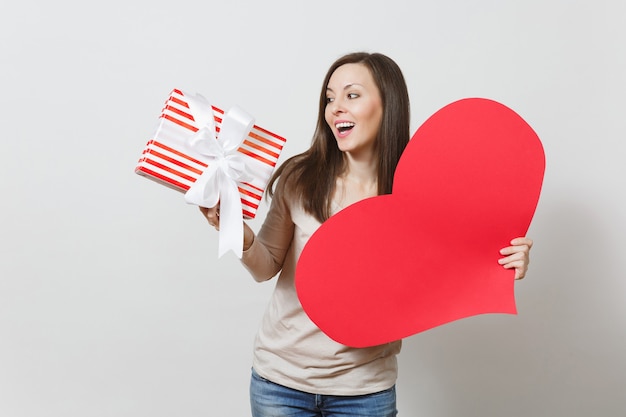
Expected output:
{"points": [[353, 108]]}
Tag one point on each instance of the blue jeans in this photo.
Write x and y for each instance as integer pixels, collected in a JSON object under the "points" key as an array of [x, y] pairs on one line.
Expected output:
{"points": [[268, 399]]}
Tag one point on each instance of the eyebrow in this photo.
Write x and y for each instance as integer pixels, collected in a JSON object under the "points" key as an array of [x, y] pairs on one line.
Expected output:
{"points": [[346, 87]]}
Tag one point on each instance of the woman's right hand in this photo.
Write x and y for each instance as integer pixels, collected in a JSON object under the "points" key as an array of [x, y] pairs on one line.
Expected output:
{"points": [[212, 215]]}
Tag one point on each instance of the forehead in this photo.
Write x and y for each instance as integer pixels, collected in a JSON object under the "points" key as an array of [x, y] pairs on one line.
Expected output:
{"points": [[349, 74]]}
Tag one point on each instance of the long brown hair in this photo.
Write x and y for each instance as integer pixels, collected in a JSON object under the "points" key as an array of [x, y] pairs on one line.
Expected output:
{"points": [[312, 175]]}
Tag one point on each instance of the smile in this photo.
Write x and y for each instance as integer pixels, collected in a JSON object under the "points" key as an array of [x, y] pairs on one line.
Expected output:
{"points": [[343, 127]]}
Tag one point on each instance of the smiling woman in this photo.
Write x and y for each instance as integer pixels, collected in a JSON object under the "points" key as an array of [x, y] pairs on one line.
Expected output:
{"points": [[362, 130]]}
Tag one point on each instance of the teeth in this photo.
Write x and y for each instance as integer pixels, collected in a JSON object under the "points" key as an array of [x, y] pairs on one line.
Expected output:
{"points": [[344, 125]]}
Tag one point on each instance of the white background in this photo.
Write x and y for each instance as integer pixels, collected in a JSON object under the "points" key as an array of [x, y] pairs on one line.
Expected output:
{"points": [[112, 299]]}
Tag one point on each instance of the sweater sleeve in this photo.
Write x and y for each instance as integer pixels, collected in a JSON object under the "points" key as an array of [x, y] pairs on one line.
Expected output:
{"points": [[265, 257]]}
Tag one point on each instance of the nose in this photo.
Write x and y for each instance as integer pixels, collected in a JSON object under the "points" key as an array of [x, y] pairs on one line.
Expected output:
{"points": [[336, 107]]}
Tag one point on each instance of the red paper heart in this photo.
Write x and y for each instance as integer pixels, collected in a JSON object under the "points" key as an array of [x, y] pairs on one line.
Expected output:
{"points": [[394, 265]]}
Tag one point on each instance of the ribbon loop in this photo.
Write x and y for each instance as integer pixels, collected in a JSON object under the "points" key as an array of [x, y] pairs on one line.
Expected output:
{"points": [[226, 167], [235, 127]]}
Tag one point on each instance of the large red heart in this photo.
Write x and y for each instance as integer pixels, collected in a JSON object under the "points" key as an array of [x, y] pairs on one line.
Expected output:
{"points": [[394, 265]]}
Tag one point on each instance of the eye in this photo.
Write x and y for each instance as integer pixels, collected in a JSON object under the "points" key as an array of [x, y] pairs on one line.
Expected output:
{"points": [[353, 96], [329, 100]]}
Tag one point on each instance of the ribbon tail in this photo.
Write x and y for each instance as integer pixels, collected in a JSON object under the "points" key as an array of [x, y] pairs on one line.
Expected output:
{"points": [[231, 221]]}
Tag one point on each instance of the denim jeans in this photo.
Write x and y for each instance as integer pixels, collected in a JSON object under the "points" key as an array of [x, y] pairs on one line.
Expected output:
{"points": [[268, 399]]}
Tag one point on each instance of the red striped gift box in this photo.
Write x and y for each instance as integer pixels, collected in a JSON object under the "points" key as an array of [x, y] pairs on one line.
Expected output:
{"points": [[167, 160]]}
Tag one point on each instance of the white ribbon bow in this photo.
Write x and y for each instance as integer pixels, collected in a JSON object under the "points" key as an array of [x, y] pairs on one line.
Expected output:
{"points": [[218, 183]]}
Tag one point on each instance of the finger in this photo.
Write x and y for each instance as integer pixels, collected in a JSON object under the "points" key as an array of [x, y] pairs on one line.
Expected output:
{"points": [[520, 268], [522, 241], [212, 215], [510, 250], [520, 264], [512, 262], [513, 253]]}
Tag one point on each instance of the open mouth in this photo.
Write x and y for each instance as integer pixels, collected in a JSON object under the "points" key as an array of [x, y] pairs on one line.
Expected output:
{"points": [[344, 127]]}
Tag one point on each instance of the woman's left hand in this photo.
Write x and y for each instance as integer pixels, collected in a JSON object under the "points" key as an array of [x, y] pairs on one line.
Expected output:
{"points": [[517, 256]]}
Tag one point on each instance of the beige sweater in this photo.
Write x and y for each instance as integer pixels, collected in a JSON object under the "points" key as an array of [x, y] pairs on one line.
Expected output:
{"points": [[290, 349]]}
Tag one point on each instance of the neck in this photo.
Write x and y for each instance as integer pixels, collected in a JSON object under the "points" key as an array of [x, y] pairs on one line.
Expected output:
{"points": [[358, 181], [362, 172]]}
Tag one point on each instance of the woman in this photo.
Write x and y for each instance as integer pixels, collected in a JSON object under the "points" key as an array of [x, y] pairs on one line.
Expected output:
{"points": [[362, 129]]}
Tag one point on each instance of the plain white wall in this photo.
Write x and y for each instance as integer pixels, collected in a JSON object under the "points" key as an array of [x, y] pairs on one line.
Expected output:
{"points": [[112, 299]]}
